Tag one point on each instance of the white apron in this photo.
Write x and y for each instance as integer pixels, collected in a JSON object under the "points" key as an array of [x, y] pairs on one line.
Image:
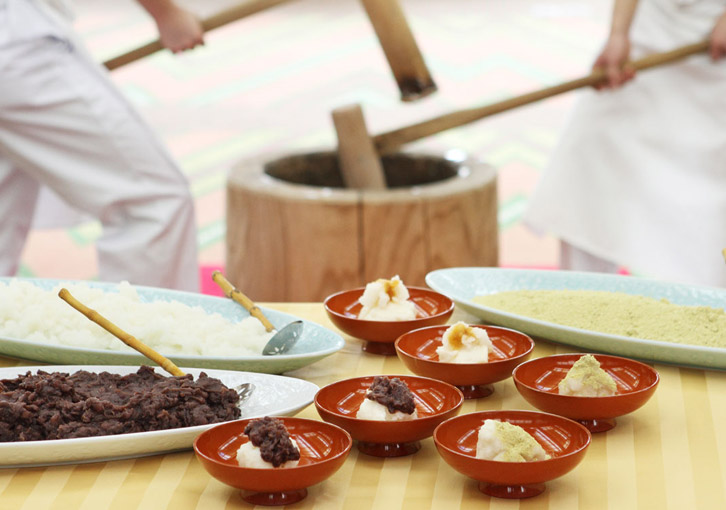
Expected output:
{"points": [[639, 175]]}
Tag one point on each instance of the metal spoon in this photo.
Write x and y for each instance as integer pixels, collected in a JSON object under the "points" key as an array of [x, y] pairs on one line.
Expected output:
{"points": [[283, 340], [244, 391]]}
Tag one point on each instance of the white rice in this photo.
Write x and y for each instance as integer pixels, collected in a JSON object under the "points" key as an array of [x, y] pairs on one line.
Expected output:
{"points": [[28, 312], [248, 455]]}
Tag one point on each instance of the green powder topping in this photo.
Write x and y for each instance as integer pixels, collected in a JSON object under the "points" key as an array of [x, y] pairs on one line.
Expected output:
{"points": [[616, 313], [586, 371], [518, 443]]}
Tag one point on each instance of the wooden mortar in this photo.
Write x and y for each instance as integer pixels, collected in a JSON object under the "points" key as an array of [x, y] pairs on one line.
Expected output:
{"points": [[294, 233]]}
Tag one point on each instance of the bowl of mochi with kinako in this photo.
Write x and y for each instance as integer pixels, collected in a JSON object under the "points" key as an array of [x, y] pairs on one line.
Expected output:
{"points": [[382, 432], [512, 453], [224, 451], [391, 310], [591, 388], [469, 356]]}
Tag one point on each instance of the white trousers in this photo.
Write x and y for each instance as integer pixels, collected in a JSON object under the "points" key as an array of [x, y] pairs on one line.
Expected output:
{"points": [[63, 124]]}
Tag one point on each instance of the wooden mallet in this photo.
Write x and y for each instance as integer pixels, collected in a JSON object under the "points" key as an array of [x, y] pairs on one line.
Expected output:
{"points": [[400, 49], [359, 162], [390, 141], [394, 35], [359, 154]]}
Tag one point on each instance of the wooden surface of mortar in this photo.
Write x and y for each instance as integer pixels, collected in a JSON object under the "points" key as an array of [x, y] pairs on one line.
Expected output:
{"points": [[295, 234]]}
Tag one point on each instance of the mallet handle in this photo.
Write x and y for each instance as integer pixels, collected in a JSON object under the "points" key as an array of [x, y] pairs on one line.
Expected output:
{"points": [[223, 18], [390, 141]]}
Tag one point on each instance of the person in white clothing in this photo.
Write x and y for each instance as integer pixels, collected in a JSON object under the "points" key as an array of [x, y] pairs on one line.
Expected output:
{"points": [[639, 175], [64, 125]]}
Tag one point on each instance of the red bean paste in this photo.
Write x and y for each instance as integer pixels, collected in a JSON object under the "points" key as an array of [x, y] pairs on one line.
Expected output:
{"points": [[392, 393], [60, 406], [273, 440]]}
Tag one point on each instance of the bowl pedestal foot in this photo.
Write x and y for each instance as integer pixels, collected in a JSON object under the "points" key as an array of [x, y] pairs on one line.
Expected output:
{"points": [[595, 426], [274, 498], [389, 449], [380, 348], [511, 491], [473, 391]]}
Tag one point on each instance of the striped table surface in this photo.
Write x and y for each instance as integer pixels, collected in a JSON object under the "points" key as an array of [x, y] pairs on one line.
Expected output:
{"points": [[670, 453]]}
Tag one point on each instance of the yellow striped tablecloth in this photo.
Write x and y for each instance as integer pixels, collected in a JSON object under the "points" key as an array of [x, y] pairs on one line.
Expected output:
{"points": [[669, 454]]}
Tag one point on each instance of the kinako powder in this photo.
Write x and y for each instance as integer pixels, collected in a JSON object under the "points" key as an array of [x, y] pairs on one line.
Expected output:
{"points": [[616, 313]]}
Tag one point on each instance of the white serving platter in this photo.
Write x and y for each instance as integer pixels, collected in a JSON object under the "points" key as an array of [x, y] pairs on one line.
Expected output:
{"points": [[464, 283], [274, 395], [315, 343]]}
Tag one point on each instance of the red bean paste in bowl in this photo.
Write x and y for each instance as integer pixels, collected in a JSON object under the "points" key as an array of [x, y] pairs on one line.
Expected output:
{"points": [[273, 440], [392, 394]]}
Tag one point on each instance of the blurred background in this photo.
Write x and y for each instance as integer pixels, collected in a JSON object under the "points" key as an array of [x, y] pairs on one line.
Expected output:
{"points": [[269, 82]]}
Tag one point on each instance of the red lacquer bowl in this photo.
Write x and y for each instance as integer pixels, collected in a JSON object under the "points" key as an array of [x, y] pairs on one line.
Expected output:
{"points": [[436, 401], [323, 449], [432, 309], [417, 350], [537, 380], [564, 440]]}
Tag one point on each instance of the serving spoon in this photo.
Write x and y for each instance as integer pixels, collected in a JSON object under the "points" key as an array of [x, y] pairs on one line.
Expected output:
{"points": [[244, 390], [283, 340]]}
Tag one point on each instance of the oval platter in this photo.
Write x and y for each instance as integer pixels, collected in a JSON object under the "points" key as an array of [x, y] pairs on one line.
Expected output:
{"points": [[273, 395], [464, 283], [315, 343]]}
